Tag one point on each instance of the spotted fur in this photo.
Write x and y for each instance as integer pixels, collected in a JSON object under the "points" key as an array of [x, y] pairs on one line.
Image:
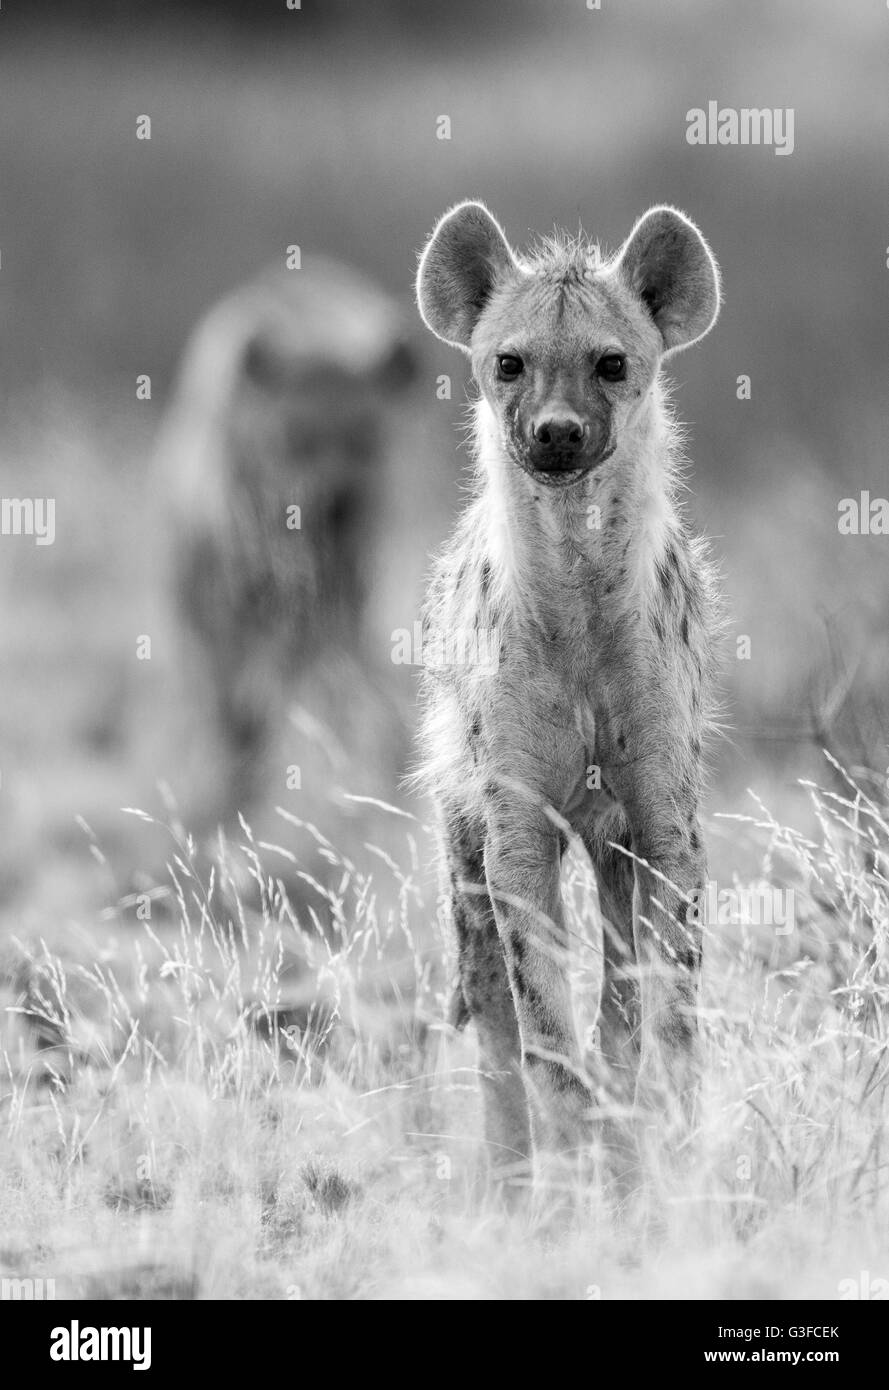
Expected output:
{"points": [[596, 716]]}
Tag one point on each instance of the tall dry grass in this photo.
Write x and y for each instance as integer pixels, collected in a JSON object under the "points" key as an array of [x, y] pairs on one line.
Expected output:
{"points": [[207, 1095]]}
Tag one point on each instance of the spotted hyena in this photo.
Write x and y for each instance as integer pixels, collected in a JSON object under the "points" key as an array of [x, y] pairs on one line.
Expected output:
{"points": [[574, 559], [274, 454]]}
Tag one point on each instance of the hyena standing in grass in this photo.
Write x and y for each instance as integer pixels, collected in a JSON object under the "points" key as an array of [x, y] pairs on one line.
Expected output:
{"points": [[274, 456], [573, 550]]}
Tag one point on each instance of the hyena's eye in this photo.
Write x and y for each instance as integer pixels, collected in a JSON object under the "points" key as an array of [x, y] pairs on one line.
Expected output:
{"points": [[509, 366], [612, 367]]}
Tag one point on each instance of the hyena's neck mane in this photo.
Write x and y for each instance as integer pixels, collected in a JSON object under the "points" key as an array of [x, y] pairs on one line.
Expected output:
{"points": [[557, 554]]}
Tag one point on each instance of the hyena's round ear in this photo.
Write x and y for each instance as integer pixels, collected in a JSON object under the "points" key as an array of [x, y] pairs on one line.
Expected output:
{"points": [[458, 270], [668, 264]]}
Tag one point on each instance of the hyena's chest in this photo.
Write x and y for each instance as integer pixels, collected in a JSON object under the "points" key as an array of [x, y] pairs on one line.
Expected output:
{"points": [[534, 722]]}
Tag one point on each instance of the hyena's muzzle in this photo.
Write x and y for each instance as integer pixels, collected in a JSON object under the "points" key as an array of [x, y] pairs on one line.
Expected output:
{"points": [[562, 430]]}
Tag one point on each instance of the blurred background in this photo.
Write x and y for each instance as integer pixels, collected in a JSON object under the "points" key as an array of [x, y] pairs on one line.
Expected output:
{"points": [[319, 127]]}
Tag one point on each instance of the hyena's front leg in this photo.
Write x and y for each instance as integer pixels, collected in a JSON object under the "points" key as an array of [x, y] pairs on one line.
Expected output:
{"points": [[485, 995], [620, 1011], [670, 868], [522, 866], [619, 1019]]}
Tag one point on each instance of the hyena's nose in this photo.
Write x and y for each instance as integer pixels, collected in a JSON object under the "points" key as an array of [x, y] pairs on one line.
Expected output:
{"points": [[562, 434]]}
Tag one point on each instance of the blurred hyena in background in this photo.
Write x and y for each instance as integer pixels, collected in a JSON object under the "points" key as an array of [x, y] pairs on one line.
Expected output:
{"points": [[274, 458]]}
